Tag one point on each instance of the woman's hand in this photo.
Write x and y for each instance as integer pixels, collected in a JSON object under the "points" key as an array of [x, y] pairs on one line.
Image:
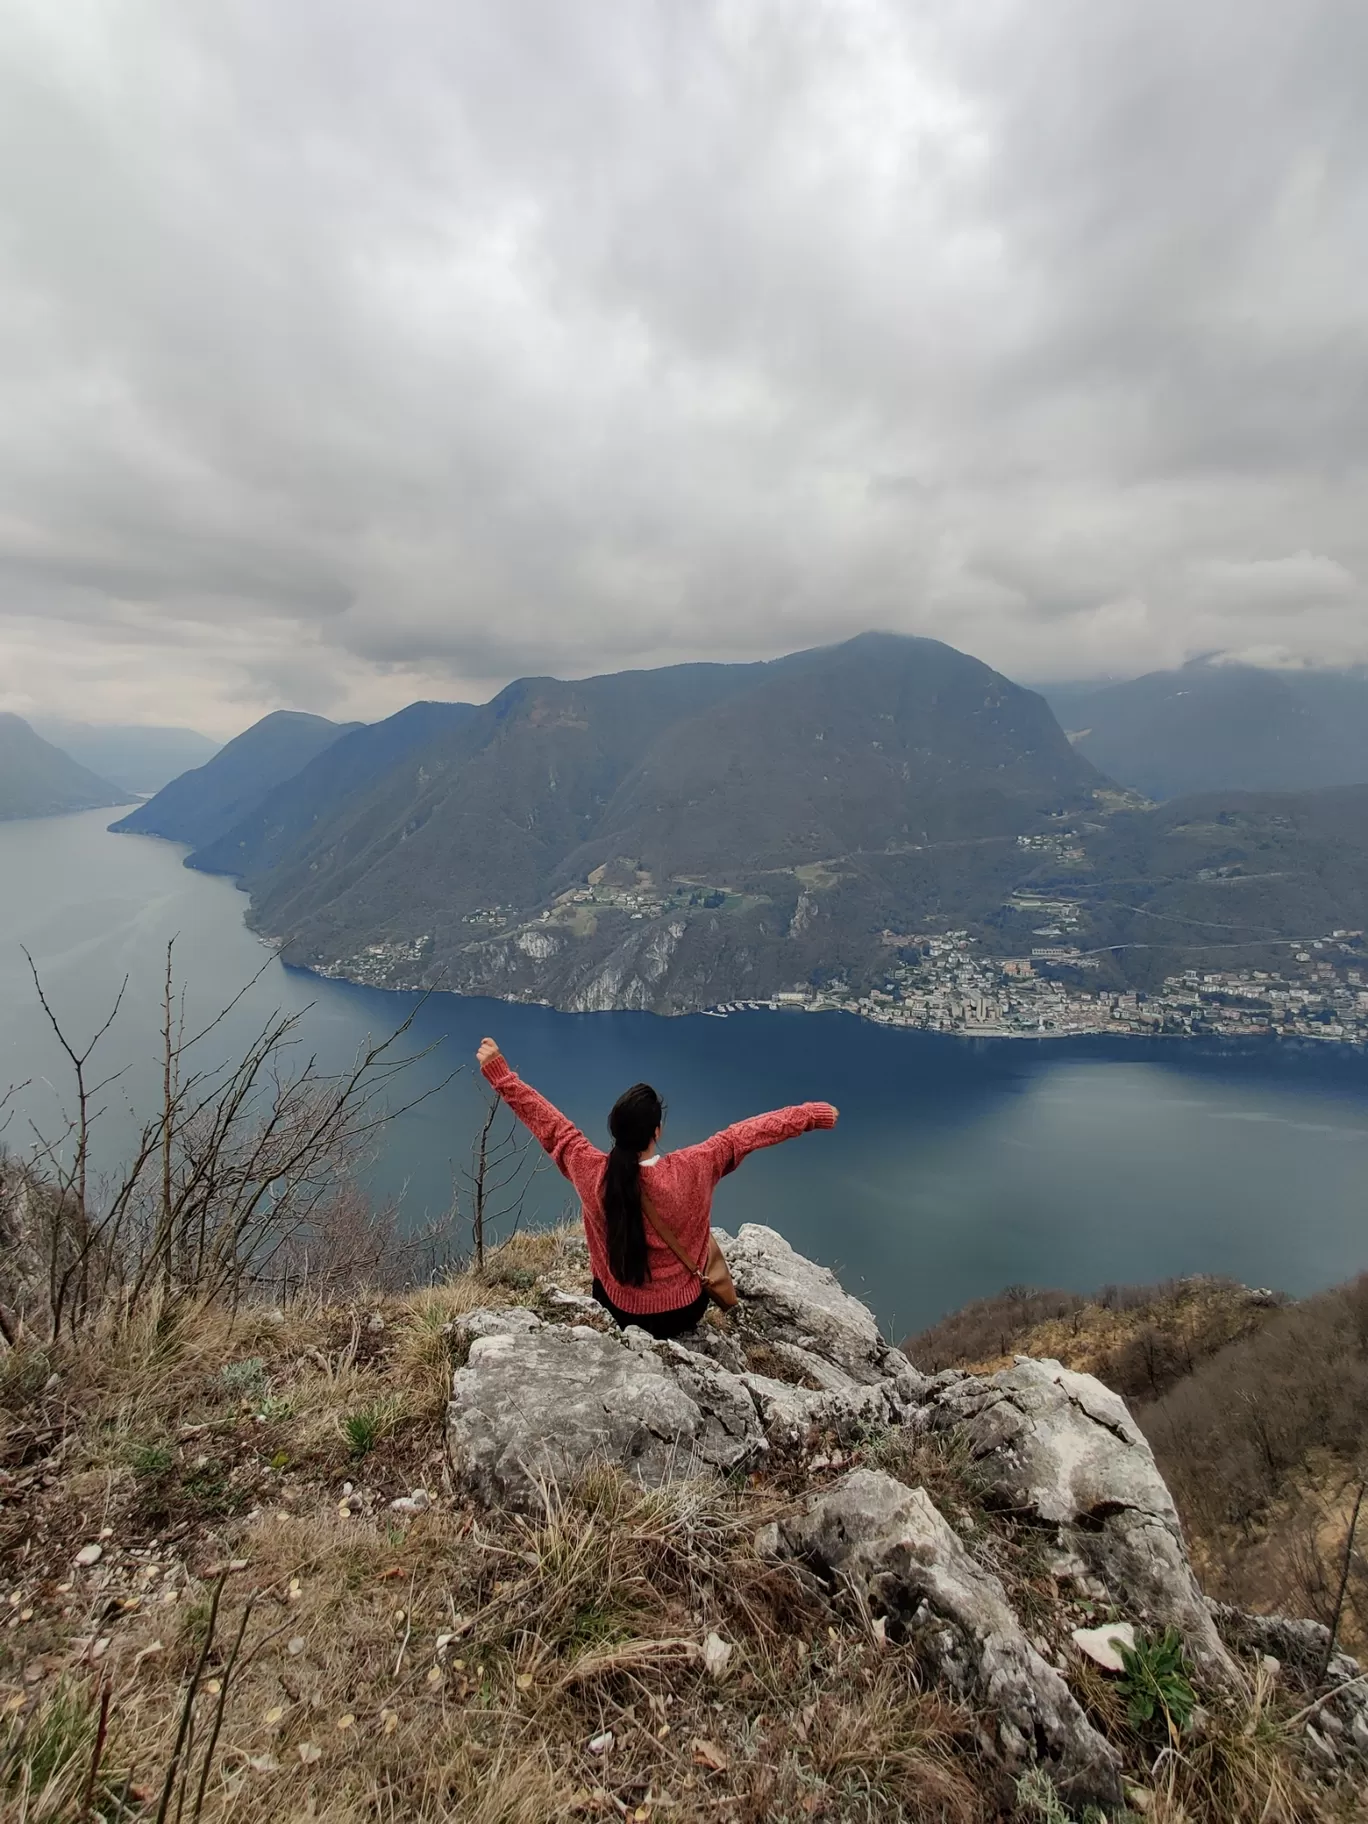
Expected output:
{"points": [[488, 1049]]}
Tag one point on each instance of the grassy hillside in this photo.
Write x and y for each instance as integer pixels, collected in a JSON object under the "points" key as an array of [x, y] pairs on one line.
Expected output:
{"points": [[199, 1518]]}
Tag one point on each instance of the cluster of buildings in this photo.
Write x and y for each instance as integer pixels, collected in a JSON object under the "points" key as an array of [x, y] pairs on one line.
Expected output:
{"points": [[1320, 992], [635, 901]]}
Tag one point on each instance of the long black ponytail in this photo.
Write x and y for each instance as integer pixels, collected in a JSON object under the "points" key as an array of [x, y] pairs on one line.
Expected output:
{"points": [[633, 1123]]}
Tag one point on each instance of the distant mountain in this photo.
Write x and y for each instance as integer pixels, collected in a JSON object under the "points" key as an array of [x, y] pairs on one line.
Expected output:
{"points": [[39, 780], [1213, 727], [338, 779], [638, 839], [138, 760], [199, 806]]}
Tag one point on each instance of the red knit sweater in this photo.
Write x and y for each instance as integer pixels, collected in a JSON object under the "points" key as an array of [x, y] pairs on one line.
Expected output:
{"points": [[681, 1185]]}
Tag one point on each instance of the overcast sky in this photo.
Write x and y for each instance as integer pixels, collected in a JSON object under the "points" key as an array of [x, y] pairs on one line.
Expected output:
{"points": [[351, 353]]}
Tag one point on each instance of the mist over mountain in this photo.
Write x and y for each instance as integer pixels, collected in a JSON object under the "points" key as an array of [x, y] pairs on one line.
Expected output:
{"points": [[39, 780], [198, 806], [137, 760], [1218, 727]]}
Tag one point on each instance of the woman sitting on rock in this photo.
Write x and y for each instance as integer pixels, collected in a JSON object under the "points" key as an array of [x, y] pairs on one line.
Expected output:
{"points": [[637, 1276]]}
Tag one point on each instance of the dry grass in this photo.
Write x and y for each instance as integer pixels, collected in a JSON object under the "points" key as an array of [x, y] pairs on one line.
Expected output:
{"points": [[1140, 1340], [447, 1665]]}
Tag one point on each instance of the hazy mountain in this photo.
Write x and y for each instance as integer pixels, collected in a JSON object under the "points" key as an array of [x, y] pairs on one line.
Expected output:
{"points": [[199, 806], [786, 790], [138, 760], [38, 779], [1213, 727]]}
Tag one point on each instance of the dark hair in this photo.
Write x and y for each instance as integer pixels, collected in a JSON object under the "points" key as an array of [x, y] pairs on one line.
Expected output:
{"points": [[636, 1115]]}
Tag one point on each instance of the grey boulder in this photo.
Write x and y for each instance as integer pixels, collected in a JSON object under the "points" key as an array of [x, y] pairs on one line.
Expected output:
{"points": [[1060, 1446], [536, 1405], [894, 1547], [802, 1313]]}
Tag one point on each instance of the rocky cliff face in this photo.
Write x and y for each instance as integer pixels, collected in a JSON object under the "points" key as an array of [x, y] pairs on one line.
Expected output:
{"points": [[898, 1486]]}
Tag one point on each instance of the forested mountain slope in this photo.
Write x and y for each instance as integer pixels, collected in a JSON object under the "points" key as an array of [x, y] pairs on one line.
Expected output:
{"points": [[675, 838], [724, 813], [199, 806]]}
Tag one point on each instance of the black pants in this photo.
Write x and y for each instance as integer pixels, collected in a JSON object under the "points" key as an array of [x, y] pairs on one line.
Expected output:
{"points": [[654, 1323]]}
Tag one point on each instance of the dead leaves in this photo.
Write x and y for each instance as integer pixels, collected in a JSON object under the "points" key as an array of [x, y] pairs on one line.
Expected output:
{"points": [[708, 1754]]}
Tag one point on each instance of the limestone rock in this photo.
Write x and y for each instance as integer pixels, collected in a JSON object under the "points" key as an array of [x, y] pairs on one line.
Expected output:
{"points": [[896, 1548], [538, 1403], [1299, 1648], [1061, 1446], [799, 1308], [791, 1414]]}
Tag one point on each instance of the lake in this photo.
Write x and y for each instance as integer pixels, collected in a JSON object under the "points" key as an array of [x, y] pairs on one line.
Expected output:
{"points": [[959, 1166]]}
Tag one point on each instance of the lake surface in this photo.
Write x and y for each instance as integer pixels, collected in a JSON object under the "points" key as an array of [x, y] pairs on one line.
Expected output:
{"points": [[959, 1166]]}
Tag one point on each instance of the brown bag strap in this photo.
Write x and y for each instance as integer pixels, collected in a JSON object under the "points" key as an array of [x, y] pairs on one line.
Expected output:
{"points": [[671, 1240]]}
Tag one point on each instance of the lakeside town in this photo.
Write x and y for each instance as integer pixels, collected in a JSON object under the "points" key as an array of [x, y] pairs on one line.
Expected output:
{"points": [[954, 986], [1321, 992]]}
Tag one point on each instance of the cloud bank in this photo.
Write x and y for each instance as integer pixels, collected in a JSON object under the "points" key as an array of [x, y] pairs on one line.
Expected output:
{"points": [[350, 354]]}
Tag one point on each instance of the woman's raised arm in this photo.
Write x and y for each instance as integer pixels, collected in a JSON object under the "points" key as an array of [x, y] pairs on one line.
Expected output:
{"points": [[570, 1150], [726, 1150]]}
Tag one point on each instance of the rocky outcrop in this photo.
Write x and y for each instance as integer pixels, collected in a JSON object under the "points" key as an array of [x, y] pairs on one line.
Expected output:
{"points": [[800, 1373], [803, 1313], [888, 1543], [1298, 1653], [1063, 1448], [538, 1404]]}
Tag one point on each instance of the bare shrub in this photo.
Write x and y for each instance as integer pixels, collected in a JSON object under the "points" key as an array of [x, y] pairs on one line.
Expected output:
{"points": [[1231, 1434], [247, 1170]]}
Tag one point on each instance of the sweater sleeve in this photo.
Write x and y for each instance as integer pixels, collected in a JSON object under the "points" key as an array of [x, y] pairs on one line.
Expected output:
{"points": [[726, 1150], [571, 1152]]}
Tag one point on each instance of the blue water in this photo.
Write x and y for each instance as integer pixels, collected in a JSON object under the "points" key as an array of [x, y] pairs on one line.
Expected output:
{"points": [[958, 1166]]}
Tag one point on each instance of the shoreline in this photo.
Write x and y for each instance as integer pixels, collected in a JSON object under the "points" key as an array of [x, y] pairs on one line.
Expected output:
{"points": [[1115, 1028], [724, 1010]]}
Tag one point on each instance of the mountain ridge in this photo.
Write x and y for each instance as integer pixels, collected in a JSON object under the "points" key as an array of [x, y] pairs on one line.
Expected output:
{"points": [[1218, 726], [199, 806], [40, 780], [405, 834], [675, 839], [137, 760]]}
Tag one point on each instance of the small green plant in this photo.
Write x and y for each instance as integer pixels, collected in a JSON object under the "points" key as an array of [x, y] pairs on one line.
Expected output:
{"points": [[246, 1380], [151, 1461], [275, 1409], [364, 1428], [516, 1279], [50, 1743], [1155, 1683], [1036, 1796], [207, 1484]]}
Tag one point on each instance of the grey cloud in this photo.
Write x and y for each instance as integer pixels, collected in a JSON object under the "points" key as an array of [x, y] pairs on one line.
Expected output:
{"points": [[352, 353]]}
